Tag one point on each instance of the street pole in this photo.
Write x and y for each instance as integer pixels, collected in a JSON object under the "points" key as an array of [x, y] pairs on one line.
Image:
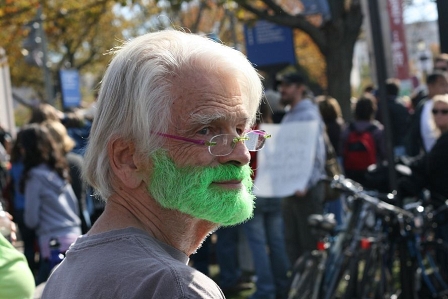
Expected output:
{"points": [[442, 10], [381, 72], [49, 92]]}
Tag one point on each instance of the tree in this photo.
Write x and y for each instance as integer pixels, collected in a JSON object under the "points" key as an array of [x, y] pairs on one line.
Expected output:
{"points": [[79, 33], [335, 38]]}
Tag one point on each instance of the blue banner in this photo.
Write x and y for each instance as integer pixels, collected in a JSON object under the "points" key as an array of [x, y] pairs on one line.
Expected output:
{"points": [[71, 94], [269, 44]]}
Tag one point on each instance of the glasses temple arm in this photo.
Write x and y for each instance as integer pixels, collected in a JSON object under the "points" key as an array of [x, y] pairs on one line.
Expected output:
{"points": [[261, 132], [200, 142]]}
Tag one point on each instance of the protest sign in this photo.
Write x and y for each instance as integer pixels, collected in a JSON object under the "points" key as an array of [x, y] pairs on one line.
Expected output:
{"points": [[284, 165]]}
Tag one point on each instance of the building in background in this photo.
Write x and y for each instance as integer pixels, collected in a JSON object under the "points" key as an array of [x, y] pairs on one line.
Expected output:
{"points": [[6, 110]]}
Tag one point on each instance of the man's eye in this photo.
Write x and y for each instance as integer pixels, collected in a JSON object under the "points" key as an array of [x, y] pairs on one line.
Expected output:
{"points": [[204, 131], [242, 130]]}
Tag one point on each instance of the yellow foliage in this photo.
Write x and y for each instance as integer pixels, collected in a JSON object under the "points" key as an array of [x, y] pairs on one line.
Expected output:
{"points": [[310, 57], [77, 33]]}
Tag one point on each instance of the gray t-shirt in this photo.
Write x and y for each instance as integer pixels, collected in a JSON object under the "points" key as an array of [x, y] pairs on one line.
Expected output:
{"points": [[127, 263]]}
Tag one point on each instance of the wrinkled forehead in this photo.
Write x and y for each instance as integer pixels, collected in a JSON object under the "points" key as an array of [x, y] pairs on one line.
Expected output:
{"points": [[211, 96]]}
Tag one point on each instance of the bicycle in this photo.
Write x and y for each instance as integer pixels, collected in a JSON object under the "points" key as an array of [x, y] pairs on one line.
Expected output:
{"points": [[333, 271], [361, 260], [423, 267], [309, 269], [360, 269], [425, 256]]}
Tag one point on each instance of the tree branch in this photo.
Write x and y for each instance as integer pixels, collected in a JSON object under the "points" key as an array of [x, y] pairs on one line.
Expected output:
{"points": [[288, 20]]}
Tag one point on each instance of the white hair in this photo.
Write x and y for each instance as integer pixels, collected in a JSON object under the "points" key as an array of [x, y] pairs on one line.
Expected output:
{"points": [[136, 92], [440, 98]]}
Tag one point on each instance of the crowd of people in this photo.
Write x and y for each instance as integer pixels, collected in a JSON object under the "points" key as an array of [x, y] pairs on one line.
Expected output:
{"points": [[42, 188], [171, 160]]}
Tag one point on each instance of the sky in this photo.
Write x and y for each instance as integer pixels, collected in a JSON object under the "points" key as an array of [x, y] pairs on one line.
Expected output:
{"points": [[422, 10]]}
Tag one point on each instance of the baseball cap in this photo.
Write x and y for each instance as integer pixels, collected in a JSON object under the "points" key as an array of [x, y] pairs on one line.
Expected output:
{"points": [[292, 78]]}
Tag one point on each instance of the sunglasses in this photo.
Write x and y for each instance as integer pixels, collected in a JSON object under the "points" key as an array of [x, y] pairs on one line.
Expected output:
{"points": [[441, 111]]}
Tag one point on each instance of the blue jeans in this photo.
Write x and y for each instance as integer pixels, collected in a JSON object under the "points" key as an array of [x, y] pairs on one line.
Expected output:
{"points": [[335, 207], [296, 210], [264, 234]]}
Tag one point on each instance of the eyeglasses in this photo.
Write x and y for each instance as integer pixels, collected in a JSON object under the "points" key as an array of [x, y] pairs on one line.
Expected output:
{"points": [[223, 144], [441, 111]]}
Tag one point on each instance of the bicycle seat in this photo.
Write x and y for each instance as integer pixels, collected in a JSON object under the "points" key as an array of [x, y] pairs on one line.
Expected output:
{"points": [[325, 222]]}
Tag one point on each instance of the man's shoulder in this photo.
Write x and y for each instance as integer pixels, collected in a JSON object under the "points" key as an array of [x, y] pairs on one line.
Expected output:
{"points": [[134, 265], [306, 110]]}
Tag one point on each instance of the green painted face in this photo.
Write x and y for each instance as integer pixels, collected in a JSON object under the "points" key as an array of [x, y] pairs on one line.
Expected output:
{"points": [[190, 190]]}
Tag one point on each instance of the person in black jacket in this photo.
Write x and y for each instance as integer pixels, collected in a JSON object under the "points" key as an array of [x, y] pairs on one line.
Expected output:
{"points": [[398, 116], [430, 171]]}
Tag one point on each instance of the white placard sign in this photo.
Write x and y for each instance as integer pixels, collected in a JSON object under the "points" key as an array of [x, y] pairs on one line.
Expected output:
{"points": [[285, 163]]}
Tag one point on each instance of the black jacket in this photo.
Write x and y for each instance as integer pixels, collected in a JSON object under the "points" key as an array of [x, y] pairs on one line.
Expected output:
{"points": [[431, 170], [413, 140]]}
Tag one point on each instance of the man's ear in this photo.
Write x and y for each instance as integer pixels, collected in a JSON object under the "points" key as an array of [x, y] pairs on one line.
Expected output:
{"points": [[123, 157]]}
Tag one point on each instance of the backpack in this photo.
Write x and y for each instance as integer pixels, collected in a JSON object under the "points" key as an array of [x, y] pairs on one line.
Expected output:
{"points": [[359, 149]]}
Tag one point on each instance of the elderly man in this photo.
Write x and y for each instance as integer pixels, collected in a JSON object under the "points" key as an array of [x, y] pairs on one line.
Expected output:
{"points": [[169, 152]]}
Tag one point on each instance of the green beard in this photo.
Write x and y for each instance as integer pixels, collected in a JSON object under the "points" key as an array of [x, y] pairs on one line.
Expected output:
{"points": [[190, 190]]}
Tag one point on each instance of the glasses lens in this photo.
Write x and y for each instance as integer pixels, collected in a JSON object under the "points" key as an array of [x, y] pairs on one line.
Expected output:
{"points": [[224, 145], [256, 140]]}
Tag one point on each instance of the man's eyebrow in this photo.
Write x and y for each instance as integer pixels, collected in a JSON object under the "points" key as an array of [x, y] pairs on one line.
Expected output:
{"points": [[204, 119]]}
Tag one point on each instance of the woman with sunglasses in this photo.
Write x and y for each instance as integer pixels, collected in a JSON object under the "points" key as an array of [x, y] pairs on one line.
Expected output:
{"points": [[430, 171]]}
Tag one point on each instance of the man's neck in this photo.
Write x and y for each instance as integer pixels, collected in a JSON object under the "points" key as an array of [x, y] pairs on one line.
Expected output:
{"points": [[296, 102], [174, 228]]}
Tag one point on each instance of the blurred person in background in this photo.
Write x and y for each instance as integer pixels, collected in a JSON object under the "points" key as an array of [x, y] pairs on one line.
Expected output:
{"points": [[75, 163], [264, 234], [399, 116], [16, 278], [334, 124], [28, 236], [51, 207], [422, 132], [297, 207], [441, 62], [430, 171], [45, 112], [362, 141], [5, 150]]}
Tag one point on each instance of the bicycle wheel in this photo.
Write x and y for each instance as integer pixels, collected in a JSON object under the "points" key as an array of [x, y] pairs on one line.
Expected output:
{"points": [[376, 280], [306, 274], [340, 277], [432, 260]]}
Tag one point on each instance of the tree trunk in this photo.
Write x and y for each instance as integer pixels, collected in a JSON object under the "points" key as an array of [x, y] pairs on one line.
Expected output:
{"points": [[341, 36], [339, 66]]}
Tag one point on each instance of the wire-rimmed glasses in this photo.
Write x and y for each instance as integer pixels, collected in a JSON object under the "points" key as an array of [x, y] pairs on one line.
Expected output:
{"points": [[223, 144]]}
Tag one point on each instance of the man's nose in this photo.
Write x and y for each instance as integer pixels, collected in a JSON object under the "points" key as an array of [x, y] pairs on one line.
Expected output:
{"points": [[240, 155]]}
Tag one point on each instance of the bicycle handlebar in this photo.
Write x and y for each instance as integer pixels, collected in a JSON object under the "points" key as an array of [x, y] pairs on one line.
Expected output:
{"points": [[355, 189]]}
